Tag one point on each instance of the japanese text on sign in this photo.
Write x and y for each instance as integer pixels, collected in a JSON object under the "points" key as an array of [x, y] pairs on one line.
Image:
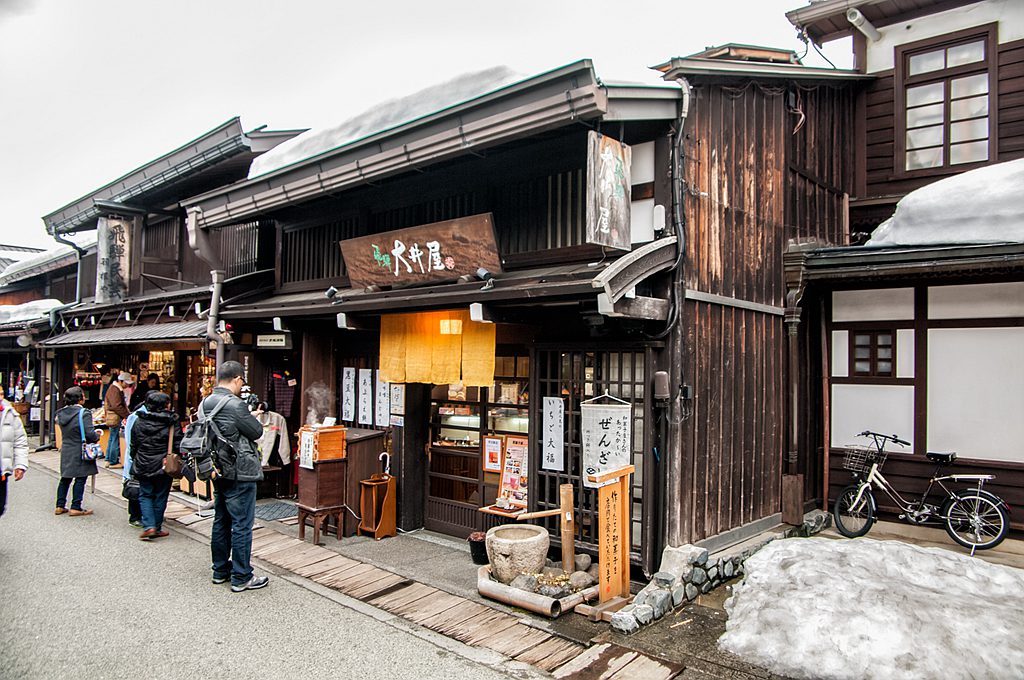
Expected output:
{"points": [[607, 433], [553, 433], [348, 394], [382, 403], [365, 396]]}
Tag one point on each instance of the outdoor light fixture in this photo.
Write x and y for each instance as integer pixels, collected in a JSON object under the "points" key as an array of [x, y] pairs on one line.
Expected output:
{"points": [[127, 315], [330, 293], [199, 309], [78, 322], [170, 310], [279, 325], [92, 320], [486, 277]]}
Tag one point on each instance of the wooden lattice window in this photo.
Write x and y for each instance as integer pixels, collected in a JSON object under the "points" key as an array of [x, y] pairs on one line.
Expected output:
{"points": [[873, 353]]}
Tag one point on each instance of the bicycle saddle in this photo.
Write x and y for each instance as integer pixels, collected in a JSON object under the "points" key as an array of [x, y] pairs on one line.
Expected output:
{"points": [[944, 458]]}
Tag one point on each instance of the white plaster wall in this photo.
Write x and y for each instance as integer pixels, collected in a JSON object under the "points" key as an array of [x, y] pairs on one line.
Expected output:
{"points": [[641, 171], [904, 353], [882, 304], [841, 354], [978, 300], [882, 408], [641, 167], [976, 392], [1009, 14]]}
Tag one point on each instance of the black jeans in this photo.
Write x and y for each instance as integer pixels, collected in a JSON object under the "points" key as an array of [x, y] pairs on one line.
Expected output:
{"points": [[76, 494], [134, 510], [3, 493], [234, 511]]}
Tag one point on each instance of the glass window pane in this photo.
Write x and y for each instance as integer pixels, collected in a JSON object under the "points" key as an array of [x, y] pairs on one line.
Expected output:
{"points": [[966, 87], [929, 61], [927, 136], [969, 129], [933, 114], [964, 54], [925, 94], [924, 158], [971, 152], [885, 352], [965, 108], [884, 339], [862, 353], [862, 339], [862, 367], [884, 367]]}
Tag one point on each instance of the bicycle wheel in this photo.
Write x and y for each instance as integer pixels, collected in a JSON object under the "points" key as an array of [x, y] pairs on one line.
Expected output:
{"points": [[976, 520], [853, 521]]}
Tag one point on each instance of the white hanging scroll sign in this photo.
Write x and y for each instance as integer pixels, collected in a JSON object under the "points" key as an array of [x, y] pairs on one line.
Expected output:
{"points": [[382, 403], [607, 433], [553, 434], [366, 396], [348, 394]]}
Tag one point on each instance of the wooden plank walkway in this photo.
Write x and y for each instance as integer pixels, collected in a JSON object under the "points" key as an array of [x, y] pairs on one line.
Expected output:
{"points": [[450, 615]]}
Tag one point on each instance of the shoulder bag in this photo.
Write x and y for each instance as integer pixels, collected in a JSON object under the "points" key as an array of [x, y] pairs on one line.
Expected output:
{"points": [[90, 452], [172, 461]]}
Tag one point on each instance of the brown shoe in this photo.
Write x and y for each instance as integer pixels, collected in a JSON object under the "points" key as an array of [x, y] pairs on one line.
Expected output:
{"points": [[148, 535], [60, 511], [79, 513], [117, 466], [161, 534]]}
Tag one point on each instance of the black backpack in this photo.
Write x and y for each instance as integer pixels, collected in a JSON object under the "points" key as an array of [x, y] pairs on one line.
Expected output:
{"points": [[203, 443]]}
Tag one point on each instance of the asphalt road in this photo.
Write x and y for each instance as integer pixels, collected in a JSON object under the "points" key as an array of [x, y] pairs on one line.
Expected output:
{"points": [[82, 597]]}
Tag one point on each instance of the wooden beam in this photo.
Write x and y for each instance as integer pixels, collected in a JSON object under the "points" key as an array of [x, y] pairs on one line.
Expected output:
{"points": [[639, 307]]}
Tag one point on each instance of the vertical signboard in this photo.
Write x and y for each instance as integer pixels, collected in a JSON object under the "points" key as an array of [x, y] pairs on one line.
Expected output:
{"points": [[366, 396], [113, 248], [348, 394], [607, 433], [515, 475], [382, 402], [553, 434], [608, 192]]}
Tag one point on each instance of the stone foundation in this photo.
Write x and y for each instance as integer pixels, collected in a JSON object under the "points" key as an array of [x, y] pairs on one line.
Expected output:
{"points": [[689, 571]]}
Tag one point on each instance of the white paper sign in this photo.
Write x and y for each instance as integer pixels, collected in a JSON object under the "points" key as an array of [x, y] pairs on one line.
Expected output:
{"points": [[553, 434], [366, 396], [398, 421], [329, 421], [398, 399], [383, 402], [607, 435], [348, 394], [306, 449]]}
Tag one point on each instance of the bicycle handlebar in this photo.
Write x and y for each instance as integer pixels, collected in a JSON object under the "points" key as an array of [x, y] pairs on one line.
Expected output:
{"points": [[895, 439]]}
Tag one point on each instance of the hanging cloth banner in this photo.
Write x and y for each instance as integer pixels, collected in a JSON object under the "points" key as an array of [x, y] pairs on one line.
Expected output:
{"points": [[553, 434], [392, 347], [607, 433], [437, 348]]}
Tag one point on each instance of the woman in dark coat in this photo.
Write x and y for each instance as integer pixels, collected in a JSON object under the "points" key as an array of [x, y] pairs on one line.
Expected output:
{"points": [[156, 427], [74, 470]]}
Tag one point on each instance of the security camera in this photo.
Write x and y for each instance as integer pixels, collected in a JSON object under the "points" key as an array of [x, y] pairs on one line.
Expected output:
{"points": [[330, 292]]}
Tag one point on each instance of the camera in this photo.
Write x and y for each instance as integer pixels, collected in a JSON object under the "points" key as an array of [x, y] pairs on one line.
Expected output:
{"points": [[254, 403]]}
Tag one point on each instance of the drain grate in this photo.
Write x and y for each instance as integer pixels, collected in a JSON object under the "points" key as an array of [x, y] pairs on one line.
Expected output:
{"points": [[276, 510]]}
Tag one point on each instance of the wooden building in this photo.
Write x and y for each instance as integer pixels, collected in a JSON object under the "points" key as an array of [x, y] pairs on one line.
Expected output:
{"points": [[739, 154], [919, 337]]}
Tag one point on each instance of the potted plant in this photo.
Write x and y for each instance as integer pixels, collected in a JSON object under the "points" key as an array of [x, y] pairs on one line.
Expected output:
{"points": [[478, 547]]}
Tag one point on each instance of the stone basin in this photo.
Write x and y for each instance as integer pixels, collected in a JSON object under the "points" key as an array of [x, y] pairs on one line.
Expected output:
{"points": [[515, 549]]}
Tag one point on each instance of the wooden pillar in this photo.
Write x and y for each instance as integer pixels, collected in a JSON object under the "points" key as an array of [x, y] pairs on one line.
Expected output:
{"points": [[409, 445]]}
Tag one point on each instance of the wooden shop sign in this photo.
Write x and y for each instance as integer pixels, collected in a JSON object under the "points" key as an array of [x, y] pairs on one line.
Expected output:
{"points": [[442, 251]]}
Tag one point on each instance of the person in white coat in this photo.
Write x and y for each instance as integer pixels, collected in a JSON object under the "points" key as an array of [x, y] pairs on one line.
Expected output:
{"points": [[13, 449]]}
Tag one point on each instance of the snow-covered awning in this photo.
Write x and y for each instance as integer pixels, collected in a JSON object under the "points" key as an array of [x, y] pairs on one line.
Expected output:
{"points": [[977, 206], [46, 261], [27, 311]]}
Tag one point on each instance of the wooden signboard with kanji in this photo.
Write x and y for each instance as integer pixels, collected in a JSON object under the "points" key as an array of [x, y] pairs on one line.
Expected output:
{"points": [[613, 526], [442, 251]]}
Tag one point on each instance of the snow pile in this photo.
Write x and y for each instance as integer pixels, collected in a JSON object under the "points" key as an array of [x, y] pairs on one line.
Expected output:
{"points": [[28, 311], [384, 116], [825, 608], [977, 206]]}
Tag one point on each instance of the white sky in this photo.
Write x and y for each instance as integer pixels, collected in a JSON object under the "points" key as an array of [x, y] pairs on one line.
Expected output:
{"points": [[90, 89]]}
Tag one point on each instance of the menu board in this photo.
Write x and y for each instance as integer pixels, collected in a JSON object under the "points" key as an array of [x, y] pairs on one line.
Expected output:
{"points": [[514, 472], [607, 439], [492, 453]]}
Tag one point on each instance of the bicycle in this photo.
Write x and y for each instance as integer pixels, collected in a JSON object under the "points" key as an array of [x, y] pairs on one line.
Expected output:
{"points": [[973, 517]]}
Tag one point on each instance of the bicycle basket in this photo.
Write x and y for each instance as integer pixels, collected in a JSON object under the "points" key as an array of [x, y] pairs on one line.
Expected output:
{"points": [[861, 458]]}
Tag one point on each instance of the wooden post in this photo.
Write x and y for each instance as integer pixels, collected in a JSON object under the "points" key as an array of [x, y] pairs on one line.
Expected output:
{"points": [[568, 526], [614, 531]]}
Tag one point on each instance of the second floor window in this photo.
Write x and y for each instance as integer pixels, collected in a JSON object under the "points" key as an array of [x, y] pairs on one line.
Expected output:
{"points": [[947, 101], [873, 354]]}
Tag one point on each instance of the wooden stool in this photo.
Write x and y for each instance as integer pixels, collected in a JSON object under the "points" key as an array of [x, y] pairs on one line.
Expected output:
{"points": [[319, 515]]}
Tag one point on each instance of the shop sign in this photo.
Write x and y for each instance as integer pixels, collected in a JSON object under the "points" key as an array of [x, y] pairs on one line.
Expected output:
{"points": [[274, 341], [553, 433], [397, 400], [608, 192], [442, 251], [366, 396], [514, 490], [382, 402], [607, 433], [348, 394], [306, 446], [113, 247]]}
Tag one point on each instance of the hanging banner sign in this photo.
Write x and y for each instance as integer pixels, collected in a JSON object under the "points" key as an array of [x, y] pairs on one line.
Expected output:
{"points": [[306, 449], [348, 394], [515, 475], [553, 433], [113, 248], [397, 400], [382, 402], [608, 192], [607, 433], [366, 396], [442, 251]]}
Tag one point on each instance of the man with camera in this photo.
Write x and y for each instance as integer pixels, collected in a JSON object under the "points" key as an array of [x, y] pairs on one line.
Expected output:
{"points": [[239, 468]]}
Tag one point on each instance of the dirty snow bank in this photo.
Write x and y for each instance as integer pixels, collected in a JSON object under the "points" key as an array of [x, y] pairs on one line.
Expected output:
{"points": [[824, 608]]}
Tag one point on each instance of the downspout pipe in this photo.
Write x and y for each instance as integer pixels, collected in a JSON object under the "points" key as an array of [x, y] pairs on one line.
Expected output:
{"points": [[199, 242], [79, 252]]}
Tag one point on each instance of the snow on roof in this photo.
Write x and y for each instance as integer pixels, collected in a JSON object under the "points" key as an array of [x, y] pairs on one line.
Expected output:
{"points": [[826, 608], [42, 262], [27, 311], [977, 206], [384, 116]]}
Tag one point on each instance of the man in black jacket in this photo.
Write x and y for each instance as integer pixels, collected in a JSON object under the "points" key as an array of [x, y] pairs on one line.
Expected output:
{"points": [[239, 468]]}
